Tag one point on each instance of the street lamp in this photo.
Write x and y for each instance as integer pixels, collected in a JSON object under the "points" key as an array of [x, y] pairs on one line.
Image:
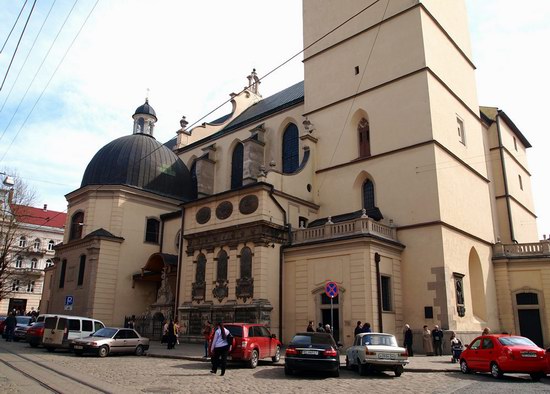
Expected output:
{"points": [[8, 180]]}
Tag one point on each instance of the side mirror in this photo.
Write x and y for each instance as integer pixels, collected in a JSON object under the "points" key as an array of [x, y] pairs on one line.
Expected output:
{"points": [[340, 345], [466, 346], [273, 336]]}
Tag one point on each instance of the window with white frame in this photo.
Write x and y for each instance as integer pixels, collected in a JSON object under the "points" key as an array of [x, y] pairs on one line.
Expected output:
{"points": [[19, 262], [36, 245], [461, 131], [49, 263], [30, 286], [51, 244], [22, 242], [15, 285], [34, 264]]}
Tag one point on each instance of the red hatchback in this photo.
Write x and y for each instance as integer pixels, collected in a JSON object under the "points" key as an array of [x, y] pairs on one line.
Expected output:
{"points": [[499, 354], [253, 342]]}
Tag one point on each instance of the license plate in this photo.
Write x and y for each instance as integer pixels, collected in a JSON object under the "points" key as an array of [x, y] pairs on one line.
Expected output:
{"points": [[311, 352], [387, 355], [229, 358], [78, 347], [528, 355]]}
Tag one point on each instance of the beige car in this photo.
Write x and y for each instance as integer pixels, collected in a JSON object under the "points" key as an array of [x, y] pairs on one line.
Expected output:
{"points": [[376, 352], [111, 340]]}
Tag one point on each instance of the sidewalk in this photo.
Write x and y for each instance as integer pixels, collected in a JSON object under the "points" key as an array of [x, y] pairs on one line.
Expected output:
{"points": [[195, 351]]}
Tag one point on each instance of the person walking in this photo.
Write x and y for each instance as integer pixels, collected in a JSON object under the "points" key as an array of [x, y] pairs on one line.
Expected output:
{"points": [[206, 332], [366, 328], [320, 328], [310, 327], [220, 347], [9, 326], [427, 341], [456, 348], [358, 329], [171, 337], [408, 340], [328, 330], [437, 336]]}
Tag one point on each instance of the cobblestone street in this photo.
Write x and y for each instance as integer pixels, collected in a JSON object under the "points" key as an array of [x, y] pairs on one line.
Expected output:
{"points": [[124, 374]]}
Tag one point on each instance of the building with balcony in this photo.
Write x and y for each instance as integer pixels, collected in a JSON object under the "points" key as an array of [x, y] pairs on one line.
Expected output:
{"points": [[379, 172], [32, 251]]}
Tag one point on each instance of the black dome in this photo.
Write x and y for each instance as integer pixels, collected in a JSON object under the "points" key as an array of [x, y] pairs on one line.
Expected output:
{"points": [[146, 109], [140, 161]]}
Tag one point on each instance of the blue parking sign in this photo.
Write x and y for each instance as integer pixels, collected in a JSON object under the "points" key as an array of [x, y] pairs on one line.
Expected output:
{"points": [[69, 300]]}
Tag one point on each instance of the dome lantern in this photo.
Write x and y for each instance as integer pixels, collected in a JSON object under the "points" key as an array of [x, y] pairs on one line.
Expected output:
{"points": [[144, 119]]}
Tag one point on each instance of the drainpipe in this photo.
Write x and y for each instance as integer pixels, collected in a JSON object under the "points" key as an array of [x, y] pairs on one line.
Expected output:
{"points": [[180, 258], [281, 261], [505, 179], [378, 291]]}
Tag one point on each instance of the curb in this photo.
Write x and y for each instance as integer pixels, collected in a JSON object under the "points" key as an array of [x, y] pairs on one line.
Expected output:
{"points": [[281, 364]]}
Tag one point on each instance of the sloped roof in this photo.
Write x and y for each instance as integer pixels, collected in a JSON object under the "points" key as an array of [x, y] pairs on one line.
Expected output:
{"points": [[38, 216], [282, 100], [489, 114]]}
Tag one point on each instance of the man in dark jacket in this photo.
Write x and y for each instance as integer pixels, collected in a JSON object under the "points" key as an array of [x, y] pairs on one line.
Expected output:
{"points": [[358, 329], [437, 336], [320, 328], [408, 340], [9, 326]]}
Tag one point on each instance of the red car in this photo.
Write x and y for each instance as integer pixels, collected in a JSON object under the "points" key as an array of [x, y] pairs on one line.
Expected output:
{"points": [[499, 354], [35, 333], [252, 342]]}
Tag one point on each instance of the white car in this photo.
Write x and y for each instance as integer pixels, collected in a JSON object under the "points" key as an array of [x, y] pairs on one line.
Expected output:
{"points": [[112, 340], [375, 351]]}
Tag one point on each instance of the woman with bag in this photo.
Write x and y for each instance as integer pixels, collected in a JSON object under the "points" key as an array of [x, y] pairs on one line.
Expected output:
{"points": [[221, 344]]}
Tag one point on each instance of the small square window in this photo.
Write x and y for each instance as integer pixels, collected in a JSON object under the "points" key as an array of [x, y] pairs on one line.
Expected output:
{"points": [[461, 131]]}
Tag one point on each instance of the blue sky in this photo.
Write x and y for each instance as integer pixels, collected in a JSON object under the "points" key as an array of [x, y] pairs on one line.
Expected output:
{"points": [[192, 55]]}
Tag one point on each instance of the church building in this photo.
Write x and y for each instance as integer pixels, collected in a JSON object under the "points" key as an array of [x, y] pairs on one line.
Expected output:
{"points": [[379, 172]]}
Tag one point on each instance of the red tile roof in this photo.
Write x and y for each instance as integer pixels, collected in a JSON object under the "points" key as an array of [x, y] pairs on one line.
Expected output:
{"points": [[38, 216]]}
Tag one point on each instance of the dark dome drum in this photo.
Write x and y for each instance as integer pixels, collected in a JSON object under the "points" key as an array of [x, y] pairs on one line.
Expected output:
{"points": [[140, 161]]}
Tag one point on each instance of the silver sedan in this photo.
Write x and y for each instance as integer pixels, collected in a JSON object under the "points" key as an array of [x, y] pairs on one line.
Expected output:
{"points": [[112, 340]]}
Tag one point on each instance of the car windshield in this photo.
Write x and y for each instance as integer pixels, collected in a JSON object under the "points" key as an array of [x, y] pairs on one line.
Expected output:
{"points": [[105, 333], [515, 341], [381, 340], [236, 331], [23, 319], [305, 339]]}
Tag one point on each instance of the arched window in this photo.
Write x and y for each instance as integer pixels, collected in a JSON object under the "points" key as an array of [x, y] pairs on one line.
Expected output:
{"points": [[152, 230], [363, 129], [368, 195], [194, 181], [237, 167], [246, 263], [36, 245], [49, 263], [51, 244], [369, 201], [201, 269], [291, 155], [77, 222], [34, 263], [221, 272], [19, 262], [141, 124], [22, 242]]}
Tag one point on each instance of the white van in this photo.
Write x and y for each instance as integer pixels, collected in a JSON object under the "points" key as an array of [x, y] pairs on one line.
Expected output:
{"points": [[61, 330]]}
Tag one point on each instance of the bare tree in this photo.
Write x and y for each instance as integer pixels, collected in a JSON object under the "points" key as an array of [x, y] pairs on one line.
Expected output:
{"points": [[14, 196]]}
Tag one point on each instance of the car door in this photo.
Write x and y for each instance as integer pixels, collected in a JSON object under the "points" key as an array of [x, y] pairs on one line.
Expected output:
{"points": [[256, 334], [486, 354], [74, 329], [132, 340], [119, 342], [269, 343], [474, 356]]}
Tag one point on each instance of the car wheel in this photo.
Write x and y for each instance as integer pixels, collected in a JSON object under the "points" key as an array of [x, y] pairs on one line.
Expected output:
{"points": [[288, 371], [537, 376], [398, 371], [139, 350], [103, 351], [33, 344], [464, 366], [336, 373], [362, 369], [253, 362], [277, 355], [16, 339], [78, 352], [50, 349], [495, 371]]}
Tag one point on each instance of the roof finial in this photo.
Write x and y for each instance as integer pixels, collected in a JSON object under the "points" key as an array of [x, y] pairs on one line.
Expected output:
{"points": [[254, 82], [147, 96]]}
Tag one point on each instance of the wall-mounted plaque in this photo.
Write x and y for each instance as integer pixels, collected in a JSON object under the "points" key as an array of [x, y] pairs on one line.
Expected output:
{"points": [[248, 204], [203, 215], [224, 210]]}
